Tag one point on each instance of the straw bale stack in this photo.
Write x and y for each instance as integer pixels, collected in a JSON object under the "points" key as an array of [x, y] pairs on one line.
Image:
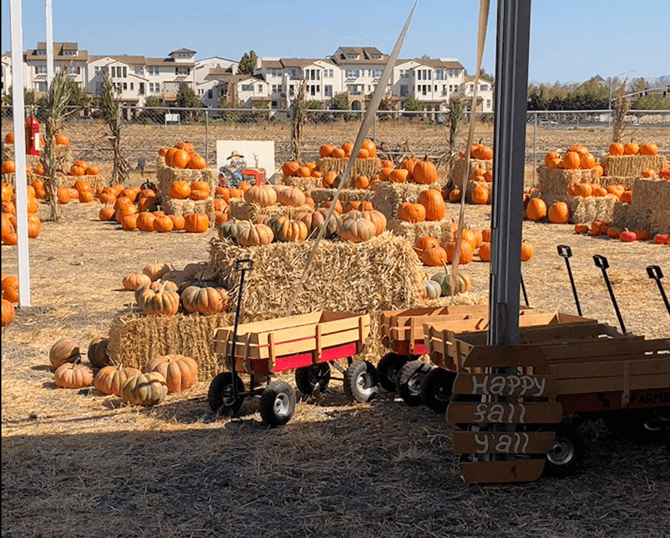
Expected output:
{"points": [[631, 165], [556, 181], [69, 181], [167, 175], [303, 183], [8, 154], [626, 181], [185, 207], [474, 184], [387, 196], [11, 178], [458, 169], [627, 216], [362, 167], [586, 209], [241, 210], [651, 194], [442, 230], [321, 196]]}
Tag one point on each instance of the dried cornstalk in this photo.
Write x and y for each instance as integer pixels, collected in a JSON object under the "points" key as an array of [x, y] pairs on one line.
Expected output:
{"points": [[110, 106], [621, 108], [298, 120]]}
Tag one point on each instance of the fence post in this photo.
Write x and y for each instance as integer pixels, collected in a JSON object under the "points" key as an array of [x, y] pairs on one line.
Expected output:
{"points": [[207, 135], [534, 148]]}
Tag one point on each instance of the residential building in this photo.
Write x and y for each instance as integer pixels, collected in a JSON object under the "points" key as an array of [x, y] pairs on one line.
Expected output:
{"points": [[66, 56], [211, 79], [484, 94], [360, 69]]}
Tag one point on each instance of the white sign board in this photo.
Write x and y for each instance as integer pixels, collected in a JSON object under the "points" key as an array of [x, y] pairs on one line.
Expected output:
{"points": [[255, 153], [172, 118]]}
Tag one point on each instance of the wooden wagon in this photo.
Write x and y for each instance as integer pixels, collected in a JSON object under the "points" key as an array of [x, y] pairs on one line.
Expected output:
{"points": [[559, 375], [308, 344]]}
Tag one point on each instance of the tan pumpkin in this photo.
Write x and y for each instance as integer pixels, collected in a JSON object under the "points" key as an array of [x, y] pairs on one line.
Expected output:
{"points": [[144, 389], [110, 379], [97, 352], [356, 229], [180, 372], [158, 303], [205, 300], [64, 350], [73, 375], [263, 195]]}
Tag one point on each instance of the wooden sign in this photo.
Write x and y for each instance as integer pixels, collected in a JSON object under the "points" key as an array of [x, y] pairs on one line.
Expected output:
{"points": [[505, 356], [501, 442], [499, 472], [504, 413], [505, 385]]}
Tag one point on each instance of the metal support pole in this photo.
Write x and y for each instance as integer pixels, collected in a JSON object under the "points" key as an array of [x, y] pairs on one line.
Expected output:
{"points": [[50, 43], [207, 136], [512, 48]]}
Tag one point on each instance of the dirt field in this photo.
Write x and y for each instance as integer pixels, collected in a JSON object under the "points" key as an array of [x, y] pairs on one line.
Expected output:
{"points": [[77, 464]]}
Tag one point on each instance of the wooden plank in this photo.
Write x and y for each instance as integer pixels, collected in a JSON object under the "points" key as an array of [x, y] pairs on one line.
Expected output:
{"points": [[300, 346], [501, 442], [502, 472], [612, 383], [609, 348], [272, 351], [306, 331], [277, 323], [504, 413], [505, 385], [638, 366], [318, 349], [505, 356]]}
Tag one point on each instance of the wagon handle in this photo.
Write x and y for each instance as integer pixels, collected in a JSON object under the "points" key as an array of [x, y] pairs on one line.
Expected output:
{"points": [[565, 252], [244, 265], [654, 271], [601, 262]]}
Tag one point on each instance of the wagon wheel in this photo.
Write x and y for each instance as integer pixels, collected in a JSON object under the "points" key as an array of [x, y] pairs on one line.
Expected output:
{"points": [[567, 452], [436, 389], [277, 403], [635, 424], [360, 381], [408, 384], [388, 367], [220, 395], [308, 378]]}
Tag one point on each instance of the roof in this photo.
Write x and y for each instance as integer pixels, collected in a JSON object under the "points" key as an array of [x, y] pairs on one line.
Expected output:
{"points": [[58, 49], [188, 51], [365, 55], [236, 79], [298, 62], [434, 63], [272, 64]]}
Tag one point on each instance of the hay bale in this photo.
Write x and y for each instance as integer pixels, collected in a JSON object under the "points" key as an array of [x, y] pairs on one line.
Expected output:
{"points": [[627, 216], [135, 339], [69, 181], [474, 184], [455, 176], [321, 196], [651, 194], [631, 165], [167, 175], [362, 167], [556, 181], [586, 209], [388, 196], [241, 210], [185, 207], [442, 230], [303, 183], [627, 182], [379, 274]]}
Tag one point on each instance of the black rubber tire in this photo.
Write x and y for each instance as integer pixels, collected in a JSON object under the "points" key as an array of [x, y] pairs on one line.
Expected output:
{"points": [[408, 385], [361, 381], [388, 367], [567, 452], [436, 388], [277, 403], [308, 378], [633, 424], [220, 396]]}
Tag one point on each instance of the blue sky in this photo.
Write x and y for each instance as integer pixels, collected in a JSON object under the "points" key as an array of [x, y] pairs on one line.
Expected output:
{"points": [[571, 41]]}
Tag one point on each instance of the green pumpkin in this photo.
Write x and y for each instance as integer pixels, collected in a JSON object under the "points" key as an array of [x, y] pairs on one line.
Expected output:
{"points": [[231, 228], [444, 279], [432, 289]]}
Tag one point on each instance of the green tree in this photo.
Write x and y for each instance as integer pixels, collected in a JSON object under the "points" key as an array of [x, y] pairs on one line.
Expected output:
{"points": [[186, 98], [653, 101], [153, 102], [412, 104], [77, 95], [341, 102], [247, 63], [28, 96]]}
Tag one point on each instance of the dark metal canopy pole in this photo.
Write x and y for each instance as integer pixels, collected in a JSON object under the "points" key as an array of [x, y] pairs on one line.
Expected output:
{"points": [[513, 37]]}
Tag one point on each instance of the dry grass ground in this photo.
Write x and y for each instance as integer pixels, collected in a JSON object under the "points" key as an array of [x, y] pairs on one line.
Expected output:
{"points": [[77, 464]]}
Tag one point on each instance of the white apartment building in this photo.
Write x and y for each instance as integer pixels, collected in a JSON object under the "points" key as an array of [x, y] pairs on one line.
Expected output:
{"points": [[355, 71]]}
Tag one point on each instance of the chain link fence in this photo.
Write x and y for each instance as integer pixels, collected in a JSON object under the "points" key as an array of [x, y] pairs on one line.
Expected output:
{"points": [[397, 133]]}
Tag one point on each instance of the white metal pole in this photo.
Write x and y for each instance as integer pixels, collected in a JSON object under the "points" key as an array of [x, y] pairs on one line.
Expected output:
{"points": [[50, 44], [18, 107]]}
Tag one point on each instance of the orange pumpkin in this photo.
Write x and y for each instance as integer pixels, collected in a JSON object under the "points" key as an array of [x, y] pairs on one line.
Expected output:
{"points": [[409, 212], [480, 195], [432, 200], [559, 213], [616, 149], [536, 210], [196, 223]]}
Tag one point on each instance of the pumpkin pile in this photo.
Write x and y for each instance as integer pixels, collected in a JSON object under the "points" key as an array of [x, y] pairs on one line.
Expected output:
{"points": [[82, 168], [430, 206], [183, 156], [331, 151], [9, 235], [10, 297], [307, 170], [411, 170], [81, 191], [598, 228], [162, 375], [440, 285]]}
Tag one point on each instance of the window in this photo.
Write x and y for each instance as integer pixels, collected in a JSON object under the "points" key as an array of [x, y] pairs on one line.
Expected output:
{"points": [[182, 70], [291, 90], [125, 85], [97, 69], [404, 90], [259, 88], [327, 73], [369, 88], [352, 73], [41, 52], [69, 53], [41, 86], [155, 70], [275, 88], [113, 71], [483, 87], [444, 89], [141, 90], [125, 72], [328, 91], [247, 87], [132, 86], [376, 73], [488, 103], [40, 69], [139, 70], [209, 94], [74, 70], [439, 74]]}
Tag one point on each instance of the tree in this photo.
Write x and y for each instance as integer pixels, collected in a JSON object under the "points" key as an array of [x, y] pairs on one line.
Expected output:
{"points": [[412, 104], [653, 101], [247, 63], [186, 98], [77, 95], [28, 96], [153, 102], [341, 101]]}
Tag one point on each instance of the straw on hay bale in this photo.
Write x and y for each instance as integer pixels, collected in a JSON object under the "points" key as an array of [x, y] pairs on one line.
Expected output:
{"points": [[11, 178], [557, 181], [95, 181], [135, 339], [167, 175], [185, 207], [586, 209], [303, 183], [241, 210], [458, 169], [651, 194], [362, 167], [388, 196], [321, 196], [62, 154], [631, 165]]}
